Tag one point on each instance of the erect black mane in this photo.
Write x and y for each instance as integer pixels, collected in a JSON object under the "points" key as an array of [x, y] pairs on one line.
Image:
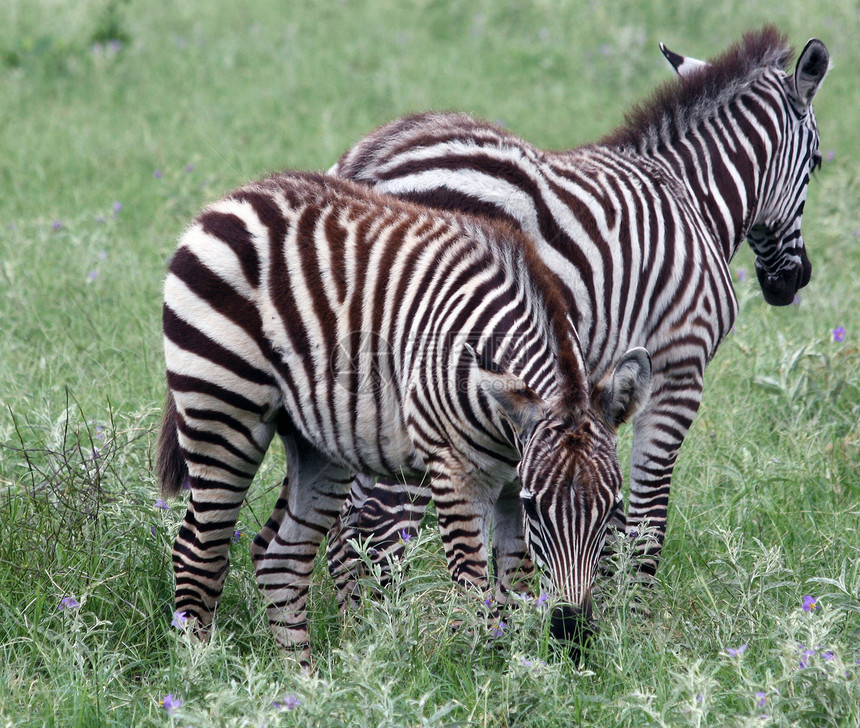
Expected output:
{"points": [[680, 103]]}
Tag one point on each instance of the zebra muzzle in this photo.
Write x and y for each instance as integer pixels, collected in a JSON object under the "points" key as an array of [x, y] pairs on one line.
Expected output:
{"points": [[780, 288], [573, 625]]}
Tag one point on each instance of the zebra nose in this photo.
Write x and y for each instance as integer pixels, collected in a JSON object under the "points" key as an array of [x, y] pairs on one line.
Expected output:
{"points": [[573, 625]]}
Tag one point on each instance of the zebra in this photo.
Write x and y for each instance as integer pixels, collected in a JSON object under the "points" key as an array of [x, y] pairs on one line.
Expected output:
{"points": [[638, 229], [376, 336]]}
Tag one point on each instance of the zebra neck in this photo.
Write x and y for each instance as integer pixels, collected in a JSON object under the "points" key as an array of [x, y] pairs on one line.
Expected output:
{"points": [[720, 163]]}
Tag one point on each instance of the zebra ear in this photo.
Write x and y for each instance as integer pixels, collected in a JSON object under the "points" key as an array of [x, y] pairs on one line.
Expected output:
{"points": [[812, 67], [623, 393], [513, 398], [683, 65]]}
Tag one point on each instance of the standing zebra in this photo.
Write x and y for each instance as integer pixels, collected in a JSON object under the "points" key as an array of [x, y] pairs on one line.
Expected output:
{"points": [[639, 230], [379, 337]]}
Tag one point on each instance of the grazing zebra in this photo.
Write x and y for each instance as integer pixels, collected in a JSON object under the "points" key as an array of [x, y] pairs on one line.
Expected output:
{"points": [[639, 229], [379, 337]]}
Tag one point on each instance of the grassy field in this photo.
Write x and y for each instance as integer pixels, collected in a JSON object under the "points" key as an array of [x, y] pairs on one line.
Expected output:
{"points": [[119, 119]]}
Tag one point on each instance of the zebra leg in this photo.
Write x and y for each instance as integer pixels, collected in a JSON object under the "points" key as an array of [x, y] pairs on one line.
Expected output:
{"points": [[310, 500], [513, 566], [464, 509], [222, 448], [658, 433], [376, 514]]}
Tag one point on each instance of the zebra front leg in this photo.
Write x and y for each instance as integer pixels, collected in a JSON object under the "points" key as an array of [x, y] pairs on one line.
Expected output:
{"points": [[377, 513], [514, 569], [464, 507], [658, 433], [311, 498]]}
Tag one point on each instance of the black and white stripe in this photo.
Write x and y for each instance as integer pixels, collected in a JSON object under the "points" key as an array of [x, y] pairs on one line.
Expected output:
{"points": [[638, 229], [382, 338]]}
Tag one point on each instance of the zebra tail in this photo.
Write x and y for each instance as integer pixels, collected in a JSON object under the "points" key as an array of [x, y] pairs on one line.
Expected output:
{"points": [[172, 470]]}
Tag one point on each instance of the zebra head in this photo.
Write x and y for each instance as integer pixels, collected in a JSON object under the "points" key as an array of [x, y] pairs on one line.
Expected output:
{"points": [[781, 264], [571, 483]]}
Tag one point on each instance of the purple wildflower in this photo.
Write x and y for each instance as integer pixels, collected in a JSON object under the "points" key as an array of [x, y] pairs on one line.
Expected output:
{"points": [[810, 604], [736, 651], [170, 703], [92, 275], [68, 603], [405, 536], [189, 168], [102, 255], [839, 333], [180, 619], [541, 600], [157, 174], [742, 275], [237, 535], [100, 432], [796, 299], [488, 602], [761, 697], [498, 629], [161, 504], [152, 530], [117, 207], [57, 225], [827, 655], [290, 702], [831, 155]]}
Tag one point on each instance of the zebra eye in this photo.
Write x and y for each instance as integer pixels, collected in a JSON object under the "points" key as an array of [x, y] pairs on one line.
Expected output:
{"points": [[528, 501], [817, 159]]}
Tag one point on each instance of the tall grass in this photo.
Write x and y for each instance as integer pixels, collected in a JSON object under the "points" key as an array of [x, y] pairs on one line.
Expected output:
{"points": [[121, 118]]}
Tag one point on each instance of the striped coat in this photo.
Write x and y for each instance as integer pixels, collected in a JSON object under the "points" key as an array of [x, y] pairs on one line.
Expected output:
{"points": [[374, 336], [638, 229]]}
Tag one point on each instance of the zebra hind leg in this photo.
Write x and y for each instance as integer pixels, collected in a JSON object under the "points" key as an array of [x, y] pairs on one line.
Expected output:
{"points": [[222, 456], [311, 498], [382, 515]]}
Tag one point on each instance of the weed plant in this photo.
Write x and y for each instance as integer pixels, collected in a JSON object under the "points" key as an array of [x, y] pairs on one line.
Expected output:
{"points": [[121, 118]]}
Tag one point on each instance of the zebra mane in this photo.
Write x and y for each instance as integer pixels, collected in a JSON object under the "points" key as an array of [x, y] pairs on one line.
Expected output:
{"points": [[679, 104], [574, 379]]}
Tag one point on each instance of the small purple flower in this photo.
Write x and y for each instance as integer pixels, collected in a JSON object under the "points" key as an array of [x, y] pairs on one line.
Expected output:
{"points": [[498, 629], [161, 504], [742, 275], [839, 333], [189, 168], [831, 155], [541, 600], [488, 602], [761, 698], [180, 619], [152, 530], [100, 432], [700, 699], [92, 275], [736, 651], [827, 655], [810, 604], [117, 208], [796, 300], [405, 536], [237, 536], [290, 702], [170, 703], [57, 225], [157, 174], [68, 603]]}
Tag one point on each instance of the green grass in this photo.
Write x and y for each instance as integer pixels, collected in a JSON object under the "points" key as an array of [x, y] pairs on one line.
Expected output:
{"points": [[197, 98]]}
